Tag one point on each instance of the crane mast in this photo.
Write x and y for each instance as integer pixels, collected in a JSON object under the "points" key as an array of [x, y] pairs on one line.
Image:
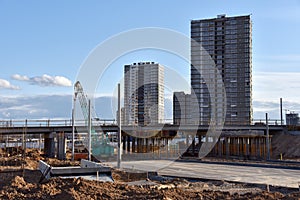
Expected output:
{"points": [[83, 100], [99, 142]]}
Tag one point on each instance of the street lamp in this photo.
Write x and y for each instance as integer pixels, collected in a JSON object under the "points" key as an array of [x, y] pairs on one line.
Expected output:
{"points": [[73, 124]]}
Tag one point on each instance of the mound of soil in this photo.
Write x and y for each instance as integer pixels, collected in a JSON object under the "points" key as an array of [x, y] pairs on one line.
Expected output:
{"points": [[78, 188], [61, 163], [287, 145], [123, 176], [12, 161]]}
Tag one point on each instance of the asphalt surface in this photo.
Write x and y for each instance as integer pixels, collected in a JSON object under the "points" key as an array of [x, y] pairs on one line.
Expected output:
{"points": [[246, 174]]}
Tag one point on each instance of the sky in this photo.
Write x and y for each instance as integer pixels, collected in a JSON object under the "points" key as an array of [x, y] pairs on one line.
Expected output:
{"points": [[44, 43]]}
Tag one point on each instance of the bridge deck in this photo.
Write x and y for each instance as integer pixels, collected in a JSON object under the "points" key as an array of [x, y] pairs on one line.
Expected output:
{"points": [[114, 128]]}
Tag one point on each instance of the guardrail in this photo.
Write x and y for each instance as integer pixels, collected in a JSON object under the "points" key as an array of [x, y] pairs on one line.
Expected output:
{"points": [[270, 121], [95, 122], [52, 122]]}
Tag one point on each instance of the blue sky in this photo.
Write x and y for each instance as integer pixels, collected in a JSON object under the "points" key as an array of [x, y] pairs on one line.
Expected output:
{"points": [[55, 37]]}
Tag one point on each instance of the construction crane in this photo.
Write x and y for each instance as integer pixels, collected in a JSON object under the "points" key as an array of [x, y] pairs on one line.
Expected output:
{"points": [[99, 141]]}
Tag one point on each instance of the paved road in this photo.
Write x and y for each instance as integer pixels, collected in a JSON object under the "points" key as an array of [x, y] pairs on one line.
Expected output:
{"points": [[260, 175]]}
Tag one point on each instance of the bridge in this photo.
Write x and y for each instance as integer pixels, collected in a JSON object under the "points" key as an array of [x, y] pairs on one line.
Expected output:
{"points": [[246, 141], [46, 126]]}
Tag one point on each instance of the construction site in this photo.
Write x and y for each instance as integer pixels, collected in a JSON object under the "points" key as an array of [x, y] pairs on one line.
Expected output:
{"points": [[168, 100], [22, 176], [42, 159]]}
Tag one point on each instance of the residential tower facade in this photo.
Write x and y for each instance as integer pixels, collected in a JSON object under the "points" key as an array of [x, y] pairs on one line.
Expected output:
{"points": [[228, 42], [144, 94]]}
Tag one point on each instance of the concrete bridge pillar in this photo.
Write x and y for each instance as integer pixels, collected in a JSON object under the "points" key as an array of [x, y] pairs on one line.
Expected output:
{"points": [[133, 144], [49, 145], [257, 147], [227, 143], [147, 146], [247, 147], [193, 145], [219, 144], [187, 141], [61, 146], [238, 147], [167, 147], [128, 143], [124, 143], [138, 144]]}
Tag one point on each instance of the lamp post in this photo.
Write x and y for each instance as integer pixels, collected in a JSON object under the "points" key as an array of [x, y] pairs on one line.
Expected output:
{"points": [[119, 129], [73, 127], [281, 118], [89, 131], [268, 137]]}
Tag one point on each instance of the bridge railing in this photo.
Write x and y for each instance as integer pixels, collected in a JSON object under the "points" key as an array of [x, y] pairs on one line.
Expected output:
{"points": [[270, 122], [52, 122], [35, 122], [96, 122]]}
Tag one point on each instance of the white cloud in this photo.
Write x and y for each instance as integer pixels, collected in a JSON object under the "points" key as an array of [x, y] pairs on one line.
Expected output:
{"points": [[286, 58], [59, 106], [22, 108], [260, 108], [270, 86], [4, 84], [277, 63], [62, 81], [45, 80], [35, 107], [20, 77]]}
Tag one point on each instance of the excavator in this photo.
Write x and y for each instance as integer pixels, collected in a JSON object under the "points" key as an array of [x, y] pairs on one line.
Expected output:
{"points": [[100, 143]]}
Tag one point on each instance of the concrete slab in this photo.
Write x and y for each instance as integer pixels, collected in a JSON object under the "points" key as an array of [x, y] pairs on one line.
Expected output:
{"points": [[142, 182], [247, 174], [63, 171], [45, 170], [101, 177], [88, 170]]}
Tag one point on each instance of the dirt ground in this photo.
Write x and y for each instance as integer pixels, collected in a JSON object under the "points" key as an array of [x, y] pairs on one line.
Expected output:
{"points": [[13, 186], [20, 179], [24, 184]]}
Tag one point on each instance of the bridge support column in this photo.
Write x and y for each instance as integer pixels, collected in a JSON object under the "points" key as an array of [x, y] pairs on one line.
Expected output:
{"points": [[147, 146], [128, 143], [133, 144], [251, 147], [257, 147], [187, 140], [61, 146], [152, 147], [227, 143], [233, 146], [246, 148], [238, 150], [49, 145], [260, 148], [193, 145], [138, 145], [219, 144], [124, 143], [167, 147]]}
